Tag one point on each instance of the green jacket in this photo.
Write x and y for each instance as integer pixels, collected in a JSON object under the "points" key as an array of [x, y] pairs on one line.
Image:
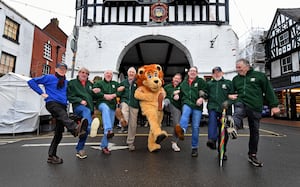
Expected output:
{"points": [[253, 89], [127, 95], [218, 93], [106, 88], [169, 88], [190, 93], [76, 93]]}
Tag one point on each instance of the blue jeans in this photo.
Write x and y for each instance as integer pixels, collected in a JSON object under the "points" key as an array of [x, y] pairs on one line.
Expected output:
{"points": [[213, 123], [108, 119], [187, 111], [86, 113]]}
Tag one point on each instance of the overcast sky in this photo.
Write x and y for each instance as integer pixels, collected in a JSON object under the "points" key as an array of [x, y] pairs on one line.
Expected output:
{"points": [[243, 14]]}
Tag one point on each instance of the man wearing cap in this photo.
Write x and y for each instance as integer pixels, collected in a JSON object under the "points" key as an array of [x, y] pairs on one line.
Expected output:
{"points": [[80, 94], [218, 89], [55, 96]]}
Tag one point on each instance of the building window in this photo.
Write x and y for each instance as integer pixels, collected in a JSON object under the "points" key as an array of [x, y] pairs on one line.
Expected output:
{"points": [[286, 64], [63, 58], [11, 30], [47, 51], [283, 39], [46, 69], [7, 63]]}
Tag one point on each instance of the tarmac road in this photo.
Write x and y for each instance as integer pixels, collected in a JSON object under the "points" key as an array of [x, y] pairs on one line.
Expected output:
{"points": [[23, 162]]}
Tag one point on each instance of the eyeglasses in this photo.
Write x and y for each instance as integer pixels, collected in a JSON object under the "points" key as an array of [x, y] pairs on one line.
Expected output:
{"points": [[83, 72]]}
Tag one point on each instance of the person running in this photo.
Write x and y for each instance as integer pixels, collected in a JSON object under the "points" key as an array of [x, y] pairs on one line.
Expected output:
{"points": [[55, 96], [80, 93], [192, 94], [218, 89], [106, 102], [173, 105], [129, 105], [250, 90]]}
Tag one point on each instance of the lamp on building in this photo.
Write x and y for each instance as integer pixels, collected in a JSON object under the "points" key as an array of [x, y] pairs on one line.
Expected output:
{"points": [[212, 42], [99, 42]]}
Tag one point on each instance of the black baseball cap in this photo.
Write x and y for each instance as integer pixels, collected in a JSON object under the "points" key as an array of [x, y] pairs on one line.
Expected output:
{"points": [[58, 65], [217, 68]]}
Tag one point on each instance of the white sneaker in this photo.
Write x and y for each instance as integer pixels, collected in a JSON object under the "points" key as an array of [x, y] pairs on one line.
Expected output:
{"points": [[175, 147], [94, 127]]}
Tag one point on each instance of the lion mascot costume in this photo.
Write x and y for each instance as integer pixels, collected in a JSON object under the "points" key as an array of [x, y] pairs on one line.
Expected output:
{"points": [[150, 93]]}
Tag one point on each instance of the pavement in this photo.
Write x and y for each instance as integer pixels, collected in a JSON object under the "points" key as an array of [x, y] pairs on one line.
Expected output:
{"points": [[271, 120], [23, 161]]}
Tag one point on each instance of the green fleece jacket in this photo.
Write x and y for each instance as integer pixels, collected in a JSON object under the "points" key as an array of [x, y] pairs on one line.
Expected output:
{"points": [[253, 89], [77, 92], [127, 95], [218, 93], [190, 93], [106, 88], [169, 88]]}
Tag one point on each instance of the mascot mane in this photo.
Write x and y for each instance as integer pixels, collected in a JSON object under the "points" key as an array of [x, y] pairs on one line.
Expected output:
{"points": [[147, 71]]}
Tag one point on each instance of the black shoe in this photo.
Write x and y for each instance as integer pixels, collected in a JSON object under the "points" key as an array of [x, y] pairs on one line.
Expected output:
{"points": [[194, 152], [110, 134], [254, 161], [225, 157], [82, 128], [55, 160], [211, 144]]}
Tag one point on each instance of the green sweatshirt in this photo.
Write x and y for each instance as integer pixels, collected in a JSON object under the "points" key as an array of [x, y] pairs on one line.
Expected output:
{"points": [[127, 95], [106, 88], [218, 93], [190, 93], [169, 88], [77, 92], [253, 89]]}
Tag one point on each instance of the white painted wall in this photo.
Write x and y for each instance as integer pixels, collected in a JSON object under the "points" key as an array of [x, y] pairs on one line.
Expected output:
{"points": [[275, 67], [22, 50], [194, 39]]}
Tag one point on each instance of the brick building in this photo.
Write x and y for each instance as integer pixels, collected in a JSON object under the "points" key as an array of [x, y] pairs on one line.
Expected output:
{"points": [[49, 46]]}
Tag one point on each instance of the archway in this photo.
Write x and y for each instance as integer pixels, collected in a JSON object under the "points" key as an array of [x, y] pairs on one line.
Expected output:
{"points": [[168, 52]]}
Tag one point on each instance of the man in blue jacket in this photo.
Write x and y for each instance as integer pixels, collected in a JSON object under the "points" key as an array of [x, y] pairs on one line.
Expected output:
{"points": [[56, 103]]}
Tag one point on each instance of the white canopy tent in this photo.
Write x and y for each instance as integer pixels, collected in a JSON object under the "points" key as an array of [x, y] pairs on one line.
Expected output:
{"points": [[20, 105]]}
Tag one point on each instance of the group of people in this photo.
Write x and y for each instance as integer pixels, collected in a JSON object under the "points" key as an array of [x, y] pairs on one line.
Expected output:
{"points": [[184, 100]]}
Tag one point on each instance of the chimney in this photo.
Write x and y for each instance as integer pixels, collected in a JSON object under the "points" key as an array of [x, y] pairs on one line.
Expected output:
{"points": [[54, 21]]}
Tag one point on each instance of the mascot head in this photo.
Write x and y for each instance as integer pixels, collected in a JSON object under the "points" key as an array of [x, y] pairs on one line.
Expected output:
{"points": [[150, 76]]}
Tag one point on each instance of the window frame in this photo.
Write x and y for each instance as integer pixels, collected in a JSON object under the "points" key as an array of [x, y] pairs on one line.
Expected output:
{"points": [[286, 64], [46, 69], [11, 30], [283, 39], [47, 53], [7, 64]]}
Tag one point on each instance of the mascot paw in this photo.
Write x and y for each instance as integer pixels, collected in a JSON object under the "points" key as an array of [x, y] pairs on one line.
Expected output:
{"points": [[154, 147], [160, 101], [160, 138]]}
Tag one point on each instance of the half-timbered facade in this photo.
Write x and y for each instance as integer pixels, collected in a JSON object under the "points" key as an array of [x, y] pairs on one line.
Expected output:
{"points": [[178, 34], [283, 59]]}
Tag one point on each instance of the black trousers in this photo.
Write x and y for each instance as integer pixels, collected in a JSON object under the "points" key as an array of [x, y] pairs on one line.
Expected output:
{"points": [[59, 112]]}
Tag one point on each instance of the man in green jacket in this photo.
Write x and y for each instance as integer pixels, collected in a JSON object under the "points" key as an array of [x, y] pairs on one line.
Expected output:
{"points": [[251, 88], [173, 104], [80, 93], [192, 94], [106, 103], [129, 105], [218, 89]]}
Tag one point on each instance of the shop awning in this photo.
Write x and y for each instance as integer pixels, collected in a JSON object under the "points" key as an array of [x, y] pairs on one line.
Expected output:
{"points": [[287, 87]]}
